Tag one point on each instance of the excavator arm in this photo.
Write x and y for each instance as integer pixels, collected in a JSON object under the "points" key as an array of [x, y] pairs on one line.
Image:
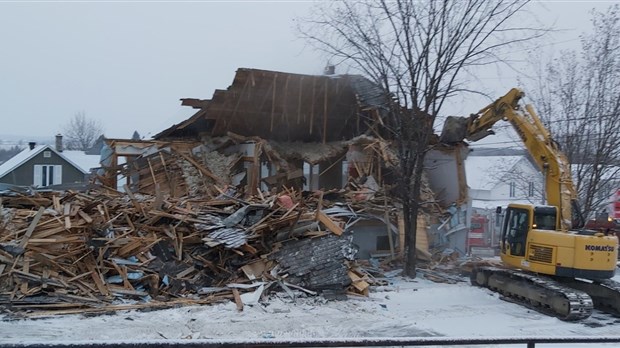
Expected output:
{"points": [[559, 189]]}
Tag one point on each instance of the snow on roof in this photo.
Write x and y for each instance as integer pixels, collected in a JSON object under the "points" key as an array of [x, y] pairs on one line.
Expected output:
{"points": [[78, 159], [20, 158], [82, 160], [483, 172]]}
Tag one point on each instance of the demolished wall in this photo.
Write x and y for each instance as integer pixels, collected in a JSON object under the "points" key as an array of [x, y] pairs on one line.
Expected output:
{"points": [[446, 168]]}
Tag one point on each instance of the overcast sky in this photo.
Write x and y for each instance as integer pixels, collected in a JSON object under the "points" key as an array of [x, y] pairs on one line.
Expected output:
{"points": [[128, 64]]}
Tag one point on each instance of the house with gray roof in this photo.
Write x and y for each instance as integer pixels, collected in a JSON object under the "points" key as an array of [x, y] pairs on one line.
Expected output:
{"points": [[44, 165]]}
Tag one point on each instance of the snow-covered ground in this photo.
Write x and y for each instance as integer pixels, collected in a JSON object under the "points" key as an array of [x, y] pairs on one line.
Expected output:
{"points": [[403, 308]]}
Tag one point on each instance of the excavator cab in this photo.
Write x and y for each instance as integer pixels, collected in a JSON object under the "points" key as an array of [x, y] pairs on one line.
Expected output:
{"points": [[519, 220], [532, 239], [517, 225]]}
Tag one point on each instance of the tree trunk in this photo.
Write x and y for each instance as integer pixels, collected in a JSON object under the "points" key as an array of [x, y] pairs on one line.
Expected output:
{"points": [[410, 212]]}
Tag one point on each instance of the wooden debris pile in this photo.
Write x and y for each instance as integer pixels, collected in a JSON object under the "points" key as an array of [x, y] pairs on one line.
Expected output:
{"points": [[85, 252], [208, 225]]}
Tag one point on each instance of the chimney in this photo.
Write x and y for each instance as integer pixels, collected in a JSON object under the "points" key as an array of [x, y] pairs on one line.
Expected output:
{"points": [[329, 70], [32, 144], [59, 142]]}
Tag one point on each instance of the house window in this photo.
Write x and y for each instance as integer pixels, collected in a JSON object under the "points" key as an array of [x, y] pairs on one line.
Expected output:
{"points": [[530, 189], [47, 154], [383, 242], [47, 174], [513, 189]]}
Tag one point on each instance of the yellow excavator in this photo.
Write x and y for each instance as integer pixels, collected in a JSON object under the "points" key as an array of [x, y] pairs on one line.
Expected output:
{"points": [[549, 262]]}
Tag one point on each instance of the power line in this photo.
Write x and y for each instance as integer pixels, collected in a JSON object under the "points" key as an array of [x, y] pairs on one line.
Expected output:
{"points": [[585, 118]]}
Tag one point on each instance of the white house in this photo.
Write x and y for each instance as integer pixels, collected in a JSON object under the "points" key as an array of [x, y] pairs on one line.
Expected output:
{"points": [[499, 180]]}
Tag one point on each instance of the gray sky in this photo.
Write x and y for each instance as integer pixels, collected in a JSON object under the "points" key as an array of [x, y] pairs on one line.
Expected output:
{"points": [[128, 64]]}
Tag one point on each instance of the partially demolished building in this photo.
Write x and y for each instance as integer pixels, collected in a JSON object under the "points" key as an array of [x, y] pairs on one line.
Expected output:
{"points": [[279, 179]]}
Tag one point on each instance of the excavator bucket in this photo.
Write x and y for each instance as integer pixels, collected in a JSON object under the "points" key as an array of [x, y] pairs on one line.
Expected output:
{"points": [[454, 130]]}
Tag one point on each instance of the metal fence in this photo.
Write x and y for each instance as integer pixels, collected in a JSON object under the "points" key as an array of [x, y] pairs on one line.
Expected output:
{"points": [[528, 342]]}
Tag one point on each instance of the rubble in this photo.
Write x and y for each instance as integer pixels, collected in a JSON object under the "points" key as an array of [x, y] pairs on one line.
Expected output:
{"points": [[91, 252]]}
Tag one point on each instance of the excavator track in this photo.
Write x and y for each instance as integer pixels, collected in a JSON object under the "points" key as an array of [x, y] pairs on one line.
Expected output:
{"points": [[605, 293], [542, 294]]}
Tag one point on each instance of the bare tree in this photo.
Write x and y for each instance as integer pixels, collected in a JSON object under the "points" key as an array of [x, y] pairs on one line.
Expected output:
{"points": [[579, 94], [419, 52], [6, 154], [81, 132]]}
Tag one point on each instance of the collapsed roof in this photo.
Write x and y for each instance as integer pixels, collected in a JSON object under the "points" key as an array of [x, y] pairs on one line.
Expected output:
{"points": [[286, 107]]}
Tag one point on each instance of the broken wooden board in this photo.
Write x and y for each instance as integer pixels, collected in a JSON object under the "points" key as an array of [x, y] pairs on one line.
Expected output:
{"points": [[330, 224]]}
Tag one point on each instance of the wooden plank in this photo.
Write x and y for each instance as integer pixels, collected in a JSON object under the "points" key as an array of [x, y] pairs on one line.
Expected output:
{"points": [[152, 171], [35, 278], [180, 242], [102, 211], [41, 234], [67, 216], [250, 249], [421, 239], [122, 291], [26, 269], [122, 272], [330, 224], [56, 202], [159, 198], [319, 204], [31, 228], [185, 272], [254, 270], [85, 216], [97, 278], [78, 277], [359, 283], [387, 223], [132, 227], [48, 261], [124, 307], [7, 258], [135, 202], [238, 301], [74, 210], [129, 247], [71, 239], [172, 187], [44, 277]]}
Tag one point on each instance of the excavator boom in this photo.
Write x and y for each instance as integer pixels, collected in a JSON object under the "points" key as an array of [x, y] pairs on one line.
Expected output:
{"points": [[559, 189]]}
